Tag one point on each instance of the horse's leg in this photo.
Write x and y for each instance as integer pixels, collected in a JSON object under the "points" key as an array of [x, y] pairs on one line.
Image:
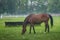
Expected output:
{"points": [[46, 26], [34, 30], [30, 28]]}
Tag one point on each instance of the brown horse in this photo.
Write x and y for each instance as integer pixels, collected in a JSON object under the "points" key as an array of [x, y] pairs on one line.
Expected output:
{"points": [[32, 19]]}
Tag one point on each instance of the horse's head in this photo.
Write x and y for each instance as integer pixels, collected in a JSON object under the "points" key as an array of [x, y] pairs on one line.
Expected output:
{"points": [[24, 28]]}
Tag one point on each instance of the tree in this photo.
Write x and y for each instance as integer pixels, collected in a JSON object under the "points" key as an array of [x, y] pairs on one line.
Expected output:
{"points": [[54, 6]]}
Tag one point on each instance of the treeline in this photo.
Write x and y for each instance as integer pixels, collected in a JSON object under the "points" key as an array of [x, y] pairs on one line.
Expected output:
{"points": [[29, 6]]}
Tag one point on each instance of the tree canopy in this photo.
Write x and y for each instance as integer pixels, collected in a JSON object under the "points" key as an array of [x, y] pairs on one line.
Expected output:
{"points": [[29, 6]]}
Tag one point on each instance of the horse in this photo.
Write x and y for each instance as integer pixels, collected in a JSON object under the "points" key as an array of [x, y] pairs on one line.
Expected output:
{"points": [[32, 19]]}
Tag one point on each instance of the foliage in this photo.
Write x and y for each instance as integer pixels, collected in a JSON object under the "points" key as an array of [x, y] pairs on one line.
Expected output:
{"points": [[54, 6], [29, 6]]}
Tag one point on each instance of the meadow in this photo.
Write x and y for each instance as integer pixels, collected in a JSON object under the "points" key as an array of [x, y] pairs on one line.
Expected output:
{"points": [[14, 32]]}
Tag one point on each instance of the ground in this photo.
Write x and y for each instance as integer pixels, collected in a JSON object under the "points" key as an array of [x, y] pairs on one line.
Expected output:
{"points": [[14, 33]]}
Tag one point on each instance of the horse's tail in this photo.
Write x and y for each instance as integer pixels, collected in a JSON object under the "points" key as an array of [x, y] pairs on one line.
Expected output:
{"points": [[51, 20]]}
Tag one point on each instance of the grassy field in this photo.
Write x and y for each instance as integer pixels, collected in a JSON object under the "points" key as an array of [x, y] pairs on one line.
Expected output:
{"points": [[14, 33]]}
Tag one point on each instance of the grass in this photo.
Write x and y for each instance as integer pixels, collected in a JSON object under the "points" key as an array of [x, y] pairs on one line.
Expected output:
{"points": [[14, 33]]}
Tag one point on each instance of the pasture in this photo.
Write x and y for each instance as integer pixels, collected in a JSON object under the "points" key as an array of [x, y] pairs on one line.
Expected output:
{"points": [[14, 33]]}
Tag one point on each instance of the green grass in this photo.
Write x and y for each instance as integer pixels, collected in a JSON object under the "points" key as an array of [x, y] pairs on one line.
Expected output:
{"points": [[14, 33]]}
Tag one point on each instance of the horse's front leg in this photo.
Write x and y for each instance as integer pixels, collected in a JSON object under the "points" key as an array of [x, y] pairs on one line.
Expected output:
{"points": [[32, 26], [34, 30], [30, 29]]}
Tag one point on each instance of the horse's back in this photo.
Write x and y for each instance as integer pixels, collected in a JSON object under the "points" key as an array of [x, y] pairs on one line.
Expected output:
{"points": [[39, 18]]}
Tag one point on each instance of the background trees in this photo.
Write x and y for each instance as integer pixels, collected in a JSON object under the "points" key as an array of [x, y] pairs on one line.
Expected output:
{"points": [[29, 6]]}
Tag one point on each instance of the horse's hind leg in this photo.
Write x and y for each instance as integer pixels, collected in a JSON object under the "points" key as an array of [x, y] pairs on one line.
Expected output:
{"points": [[46, 26]]}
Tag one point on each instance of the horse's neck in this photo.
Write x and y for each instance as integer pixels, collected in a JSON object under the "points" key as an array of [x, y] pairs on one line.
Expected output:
{"points": [[25, 24], [27, 18]]}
